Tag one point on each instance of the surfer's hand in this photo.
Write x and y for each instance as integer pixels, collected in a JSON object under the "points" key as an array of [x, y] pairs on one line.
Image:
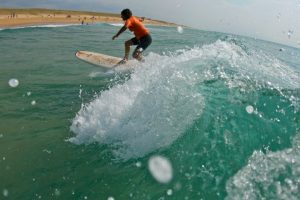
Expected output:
{"points": [[114, 37]]}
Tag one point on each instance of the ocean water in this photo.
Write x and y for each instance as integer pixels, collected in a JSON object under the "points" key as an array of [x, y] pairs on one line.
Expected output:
{"points": [[206, 116]]}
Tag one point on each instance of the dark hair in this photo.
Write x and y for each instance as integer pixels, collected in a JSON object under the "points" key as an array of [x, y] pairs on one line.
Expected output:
{"points": [[126, 13]]}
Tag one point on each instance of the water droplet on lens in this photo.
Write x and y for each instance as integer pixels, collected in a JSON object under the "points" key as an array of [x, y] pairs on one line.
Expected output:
{"points": [[13, 82], [5, 192], [180, 29], [169, 192], [249, 109], [161, 169]]}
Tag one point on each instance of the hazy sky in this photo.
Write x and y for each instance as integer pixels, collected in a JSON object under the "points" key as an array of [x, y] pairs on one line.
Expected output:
{"points": [[273, 20]]}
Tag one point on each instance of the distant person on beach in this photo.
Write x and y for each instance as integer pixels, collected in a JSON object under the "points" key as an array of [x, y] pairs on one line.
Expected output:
{"points": [[142, 35]]}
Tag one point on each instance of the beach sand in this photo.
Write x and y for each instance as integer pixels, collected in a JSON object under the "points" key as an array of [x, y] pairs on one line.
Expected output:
{"points": [[29, 17]]}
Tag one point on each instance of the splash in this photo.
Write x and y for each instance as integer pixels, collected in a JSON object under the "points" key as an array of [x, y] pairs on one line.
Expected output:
{"points": [[162, 99], [149, 111], [107, 73], [274, 175]]}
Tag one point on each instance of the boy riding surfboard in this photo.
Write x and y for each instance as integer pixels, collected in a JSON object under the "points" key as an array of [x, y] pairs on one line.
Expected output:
{"points": [[142, 35]]}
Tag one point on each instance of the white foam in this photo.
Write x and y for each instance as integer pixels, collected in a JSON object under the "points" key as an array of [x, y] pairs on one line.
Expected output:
{"points": [[239, 65], [51, 25], [101, 74], [274, 175], [147, 112], [41, 26], [161, 99], [117, 24]]}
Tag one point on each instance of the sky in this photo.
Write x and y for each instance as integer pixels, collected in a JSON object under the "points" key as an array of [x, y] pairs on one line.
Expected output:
{"points": [[272, 20]]}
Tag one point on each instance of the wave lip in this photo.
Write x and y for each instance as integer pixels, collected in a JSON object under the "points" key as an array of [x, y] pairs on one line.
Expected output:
{"points": [[162, 98]]}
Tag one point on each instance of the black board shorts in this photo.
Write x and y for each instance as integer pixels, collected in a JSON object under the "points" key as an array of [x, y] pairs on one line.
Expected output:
{"points": [[141, 43]]}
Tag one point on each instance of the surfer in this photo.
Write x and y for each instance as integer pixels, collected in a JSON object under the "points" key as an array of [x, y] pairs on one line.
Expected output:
{"points": [[142, 35]]}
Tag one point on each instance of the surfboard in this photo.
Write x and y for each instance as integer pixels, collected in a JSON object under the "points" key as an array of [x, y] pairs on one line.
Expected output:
{"points": [[104, 61]]}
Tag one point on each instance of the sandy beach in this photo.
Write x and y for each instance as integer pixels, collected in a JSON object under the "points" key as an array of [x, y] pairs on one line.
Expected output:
{"points": [[29, 17]]}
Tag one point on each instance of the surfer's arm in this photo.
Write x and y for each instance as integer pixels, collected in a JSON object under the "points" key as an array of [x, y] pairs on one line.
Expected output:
{"points": [[120, 31]]}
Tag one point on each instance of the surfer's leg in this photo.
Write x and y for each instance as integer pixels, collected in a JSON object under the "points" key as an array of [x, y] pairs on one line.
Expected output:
{"points": [[143, 44], [137, 54], [128, 43]]}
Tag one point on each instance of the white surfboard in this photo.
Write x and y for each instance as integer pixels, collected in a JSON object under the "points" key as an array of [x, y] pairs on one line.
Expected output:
{"points": [[104, 61]]}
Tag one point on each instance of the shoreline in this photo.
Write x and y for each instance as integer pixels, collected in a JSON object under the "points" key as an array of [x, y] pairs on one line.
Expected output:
{"points": [[10, 18]]}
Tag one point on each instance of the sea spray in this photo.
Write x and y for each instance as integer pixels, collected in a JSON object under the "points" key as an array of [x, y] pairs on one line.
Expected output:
{"points": [[161, 99], [147, 112], [268, 175]]}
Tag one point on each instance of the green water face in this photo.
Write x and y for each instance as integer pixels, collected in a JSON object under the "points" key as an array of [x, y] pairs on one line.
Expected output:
{"points": [[221, 146]]}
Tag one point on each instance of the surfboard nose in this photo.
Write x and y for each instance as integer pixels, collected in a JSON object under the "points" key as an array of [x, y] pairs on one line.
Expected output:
{"points": [[77, 53]]}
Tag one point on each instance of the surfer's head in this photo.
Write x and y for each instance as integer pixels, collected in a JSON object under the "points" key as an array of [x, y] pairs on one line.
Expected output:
{"points": [[126, 14]]}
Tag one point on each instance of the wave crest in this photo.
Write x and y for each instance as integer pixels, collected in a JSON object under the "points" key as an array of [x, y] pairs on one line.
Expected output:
{"points": [[162, 98]]}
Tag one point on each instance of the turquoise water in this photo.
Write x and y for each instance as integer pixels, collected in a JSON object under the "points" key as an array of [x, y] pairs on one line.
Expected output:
{"points": [[222, 109]]}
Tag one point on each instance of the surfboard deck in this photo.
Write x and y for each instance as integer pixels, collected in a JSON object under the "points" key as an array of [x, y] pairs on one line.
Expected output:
{"points": [[103, 61]]}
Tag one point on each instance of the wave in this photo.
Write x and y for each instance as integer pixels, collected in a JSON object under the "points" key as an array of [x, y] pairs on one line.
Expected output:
{"points": [[40, 26], [116, 24], [148, 112], [108, 73], [162, 99], [272, 175]]}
